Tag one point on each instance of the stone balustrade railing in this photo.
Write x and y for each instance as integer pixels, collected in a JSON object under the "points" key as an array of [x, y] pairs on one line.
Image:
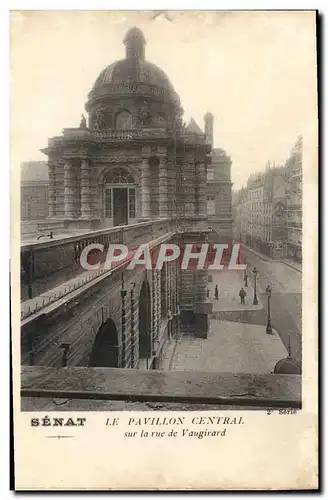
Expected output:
{"points": [[296, 225], [85, 387], [77, 133], [124, 135], [107, 134], [46, 264]]}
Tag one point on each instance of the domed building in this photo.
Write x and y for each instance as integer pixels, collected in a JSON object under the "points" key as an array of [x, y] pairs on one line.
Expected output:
{"points": [[132, 159]]}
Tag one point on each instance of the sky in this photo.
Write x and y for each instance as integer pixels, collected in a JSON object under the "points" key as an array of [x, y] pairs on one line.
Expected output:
{"points": [[254, 71]]}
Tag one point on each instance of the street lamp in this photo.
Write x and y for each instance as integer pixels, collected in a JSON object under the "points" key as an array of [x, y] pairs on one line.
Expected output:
{"points": [[269, 327], [245, 277], [255, 301]]}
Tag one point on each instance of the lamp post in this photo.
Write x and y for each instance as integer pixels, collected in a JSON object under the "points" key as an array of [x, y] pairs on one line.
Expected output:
{"points": [[269, 327], [245, 277], [255, 273]]}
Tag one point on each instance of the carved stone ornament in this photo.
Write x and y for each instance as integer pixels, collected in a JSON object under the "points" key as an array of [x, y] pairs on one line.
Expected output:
{"points": [[279, 209], [83, 123], [100, 119], [222, 190], [145, 115]]}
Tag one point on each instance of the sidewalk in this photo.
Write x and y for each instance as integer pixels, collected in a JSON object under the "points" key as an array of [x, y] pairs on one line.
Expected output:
{"points": [[288, 262], [292, 263], [260, 255], [230, 347], [229, 284]]}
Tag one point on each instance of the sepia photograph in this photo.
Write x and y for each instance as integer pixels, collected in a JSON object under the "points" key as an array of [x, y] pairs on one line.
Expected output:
{"points": [[161, 161]]}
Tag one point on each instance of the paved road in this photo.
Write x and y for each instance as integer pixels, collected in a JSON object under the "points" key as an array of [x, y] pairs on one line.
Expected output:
{"points": [[286, 299]]}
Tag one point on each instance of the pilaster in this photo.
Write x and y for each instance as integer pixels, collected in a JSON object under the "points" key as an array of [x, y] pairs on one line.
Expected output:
{"points": [[159, 298], [59, 191], [145, 189], [163, 187], [69, 190], [52, 190], [85, 190], [202, 190]]}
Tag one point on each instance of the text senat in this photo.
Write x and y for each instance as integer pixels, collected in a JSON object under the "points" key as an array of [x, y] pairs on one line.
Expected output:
{"points": [[57, 422]]}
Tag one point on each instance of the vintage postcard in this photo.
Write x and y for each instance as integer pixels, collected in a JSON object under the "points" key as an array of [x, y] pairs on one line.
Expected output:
{"points": [[164, 170]]}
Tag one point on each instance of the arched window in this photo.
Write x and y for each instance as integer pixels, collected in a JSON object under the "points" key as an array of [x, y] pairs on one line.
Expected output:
{"points": [[119, 196], [119, 176], [124, 121]]}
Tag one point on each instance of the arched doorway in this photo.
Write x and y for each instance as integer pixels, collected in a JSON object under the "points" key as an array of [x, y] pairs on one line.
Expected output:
{"points": [[144, 322], [105, 347], [119, 198]]}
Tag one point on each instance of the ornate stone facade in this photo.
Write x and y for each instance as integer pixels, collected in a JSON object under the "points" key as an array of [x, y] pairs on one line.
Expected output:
{"points": [[131, 173], [34, 191], [219, 196], [260, 211], [219, 188], [134, 124], [294, 199]]}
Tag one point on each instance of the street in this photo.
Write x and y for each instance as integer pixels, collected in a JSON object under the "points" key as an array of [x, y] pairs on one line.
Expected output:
{"points": [[237, 341], [286, 298]]}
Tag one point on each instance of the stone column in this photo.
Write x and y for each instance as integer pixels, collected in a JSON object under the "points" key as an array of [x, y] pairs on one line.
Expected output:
{"points": [[172, 188], [154, 332], [69, 190], [163, 187], [169, 282], [202, 202], [145, 189], [85, 190], [77, 191], [52, 190], [201, 282], [170, 298], [134, 346], [159, 298], [60, 196]]}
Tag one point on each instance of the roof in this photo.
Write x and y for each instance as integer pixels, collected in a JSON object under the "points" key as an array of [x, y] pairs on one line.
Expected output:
{"points": [[193, 128], [134, 33], [133, 69], [218, 153], [34, 171], [288, 366]]}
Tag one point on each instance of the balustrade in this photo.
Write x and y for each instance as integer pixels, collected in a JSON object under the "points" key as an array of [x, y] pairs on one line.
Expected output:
{"points": [[217, 390], [45, 264], [124, 135]]}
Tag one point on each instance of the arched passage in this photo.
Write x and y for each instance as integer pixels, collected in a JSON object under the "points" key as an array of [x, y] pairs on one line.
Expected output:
{"points": [[105, 348], [144, 321]]}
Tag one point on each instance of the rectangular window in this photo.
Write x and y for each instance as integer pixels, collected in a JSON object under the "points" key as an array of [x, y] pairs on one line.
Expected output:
{"points": [[132, 203], [108, 204], [210, 174], [211, 205]]}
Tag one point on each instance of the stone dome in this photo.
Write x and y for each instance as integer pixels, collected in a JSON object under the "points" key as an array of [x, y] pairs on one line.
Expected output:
{"points": [[288, 366], [128, 70], [134, 68]]}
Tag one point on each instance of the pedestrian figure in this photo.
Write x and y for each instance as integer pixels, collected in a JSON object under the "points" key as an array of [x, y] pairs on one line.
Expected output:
{"points": [[245, 279], [242, 295], [216, 292], [208, 293]]}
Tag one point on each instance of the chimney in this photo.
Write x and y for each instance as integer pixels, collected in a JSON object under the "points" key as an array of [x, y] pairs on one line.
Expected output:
{"points": [[208, 119]]}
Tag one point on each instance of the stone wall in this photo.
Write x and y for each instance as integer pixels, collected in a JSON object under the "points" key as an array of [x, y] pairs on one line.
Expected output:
{"points": [[78, 321]]}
